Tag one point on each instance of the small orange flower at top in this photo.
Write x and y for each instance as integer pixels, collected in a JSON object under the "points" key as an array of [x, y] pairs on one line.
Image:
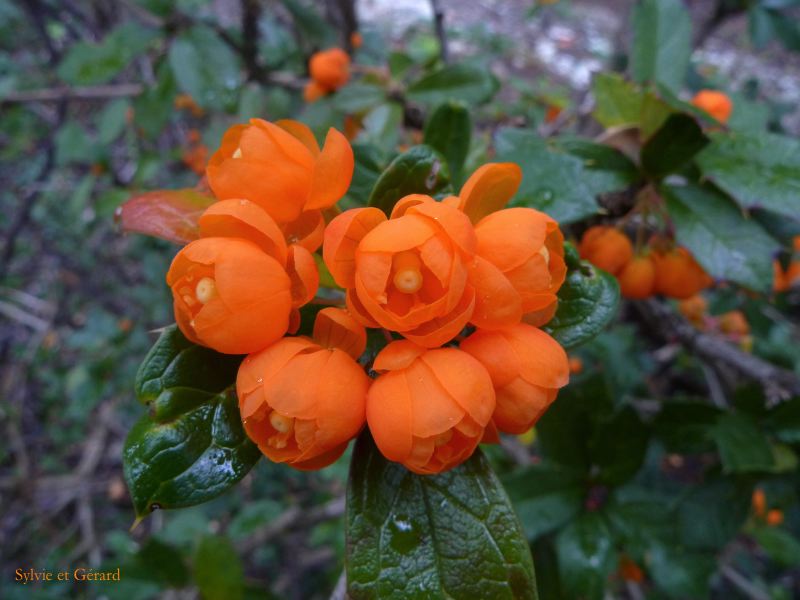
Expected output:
{"points": [[428, 408], [607, 248], [527, 368], [329, 70], [280, 167], [715, 103], [302, 400]]}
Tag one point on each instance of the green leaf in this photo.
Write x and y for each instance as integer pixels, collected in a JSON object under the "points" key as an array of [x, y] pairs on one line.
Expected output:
{"points": [[382, 125], [191, 447], [452, 535], [88, 64], [724, 241], [784, 421], [606, 169], [587, 302], [683, 426], [545, 496], [675, 143], [780, 545], [358, 97], [419, 170], [586, 556], [205, 67], [112, 120], [662, 38], [218, 570], [618, 446], [448, 130], [617, 100], [553, 181], [461, 82], [679, 573], [369, 164], [742, 445], [163, 562], [757, 170], [153, 109], [713, 513]]}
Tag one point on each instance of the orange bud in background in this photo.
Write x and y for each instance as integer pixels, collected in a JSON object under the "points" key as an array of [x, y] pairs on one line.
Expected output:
{"points": [[312, 92], [694, 309], [428, 408], [734, 323], [678, 275], [780, 283], [606, 248], [759, 502], [575, 365], [229, 295], [527, 367], [774, 517], [793, 274], [356, 40], [637, 280], [302, 401], [552, 112], [715, 103], [629, 570], [280, 167], [330, 69]]}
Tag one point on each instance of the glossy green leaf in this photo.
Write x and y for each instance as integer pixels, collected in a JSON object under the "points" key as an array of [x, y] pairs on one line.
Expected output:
{"points": [[605, 169], [205, 67], [545, 496], [461, 82], [112, 120], [419, 170], [153, 109], [741, 443], [712, 513], [88, 63], [587, 302], [618, 446], [382, 125], [662, 38], [757, 170], [675, 143], [218, 570], [452, 535], [683, 426], [780, 545], [163, 562], [191, 447], [728, 244], [679, 573], [369, 164], [617, 100], [358, 97], [449, 130], [553, 181], [586, 556]]}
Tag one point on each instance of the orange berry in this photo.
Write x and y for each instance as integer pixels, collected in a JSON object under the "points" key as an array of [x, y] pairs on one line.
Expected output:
{"points": [[575, 365], [302, 401], [527, 368], [759, 502], [734, 323], [715, 103], [428, 409], [313, 91], [774, 517], [678, 275], [606, 247], [637, 279], [330, 69], [229, 295], [280, 167], [694, 309]]}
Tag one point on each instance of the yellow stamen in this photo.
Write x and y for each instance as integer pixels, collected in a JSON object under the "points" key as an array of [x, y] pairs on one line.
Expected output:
{"points": [[237, 153], [407, 274], [206, 290], [280, 422]]}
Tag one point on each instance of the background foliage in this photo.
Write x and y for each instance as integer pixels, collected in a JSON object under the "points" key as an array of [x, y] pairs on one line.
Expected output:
{"points": [[639, 482]]}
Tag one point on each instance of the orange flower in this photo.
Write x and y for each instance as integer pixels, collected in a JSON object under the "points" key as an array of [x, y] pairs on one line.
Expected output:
{"points": [[280, 167], [575, 365], [678, 275], [629, 570], [759, 502], [606, 248], [356, 40], [229, 295], [196, 158], [552, 113], [330, 69], [734, 323], [428, 408], [637, 279], [775, 517], [694, 309], [527, 367], [186, 102], [779, 281], [312, 91], [302, 420], [715, 103], [410, 273]]}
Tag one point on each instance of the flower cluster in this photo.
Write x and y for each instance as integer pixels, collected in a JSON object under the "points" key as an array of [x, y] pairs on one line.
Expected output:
{"points": [[661, 268], [457, 287]]}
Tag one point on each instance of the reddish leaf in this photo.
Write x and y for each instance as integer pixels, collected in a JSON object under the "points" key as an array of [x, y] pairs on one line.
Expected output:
{"points": [[167, 214]]}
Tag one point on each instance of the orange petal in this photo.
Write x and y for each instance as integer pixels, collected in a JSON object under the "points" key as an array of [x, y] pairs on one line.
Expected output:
{"points": [[519, 406], [389, 415], [495, 353], [441, 330], [358, 311], [497, 303], [400, 234], [302, 270], [302, 132], [452, 222], [543, 361], [342, 236], [397, 355], [307, 230], [542, 316], [321, 461], [406, 202], [333, 171], [489, 189], [510, 237], [490, 434], [433, 409], [244, 219], [288, 145], [336, 328]]}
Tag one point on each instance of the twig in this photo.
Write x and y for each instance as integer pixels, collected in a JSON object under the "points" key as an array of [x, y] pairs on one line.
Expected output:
{"points": [[438, 22], [741, 583], [779, 384], [99, 92]]}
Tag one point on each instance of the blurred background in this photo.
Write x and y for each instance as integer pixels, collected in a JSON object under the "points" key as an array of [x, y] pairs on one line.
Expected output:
{"points": [[102, 99]]}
